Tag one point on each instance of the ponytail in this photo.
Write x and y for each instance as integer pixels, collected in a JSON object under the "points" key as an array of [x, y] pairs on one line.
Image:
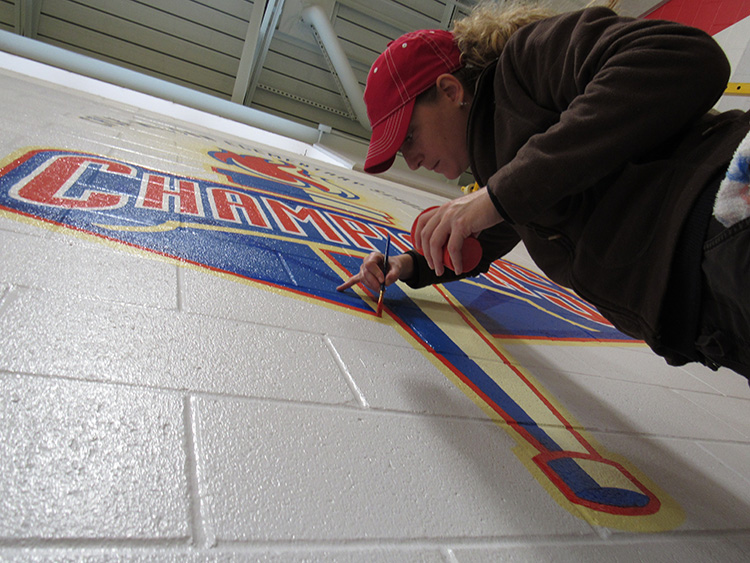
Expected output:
{"points": [[482, 35]]}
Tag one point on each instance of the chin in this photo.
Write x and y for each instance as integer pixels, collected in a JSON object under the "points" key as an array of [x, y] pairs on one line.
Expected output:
{"points": [[455, 173], [448, 174]]}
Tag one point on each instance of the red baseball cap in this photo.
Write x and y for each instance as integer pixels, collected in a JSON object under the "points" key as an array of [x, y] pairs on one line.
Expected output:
{"points": [[409, 66]]}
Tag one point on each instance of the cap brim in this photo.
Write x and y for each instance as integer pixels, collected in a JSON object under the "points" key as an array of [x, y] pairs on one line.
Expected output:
{"points": [[387, 138]]}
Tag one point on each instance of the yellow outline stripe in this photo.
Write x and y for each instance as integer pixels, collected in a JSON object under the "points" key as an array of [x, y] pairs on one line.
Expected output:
{"points": [[738, 89], [529, 302]]}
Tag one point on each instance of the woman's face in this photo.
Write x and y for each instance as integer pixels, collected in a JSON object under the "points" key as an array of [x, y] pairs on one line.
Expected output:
{"points": [[436, 138]]}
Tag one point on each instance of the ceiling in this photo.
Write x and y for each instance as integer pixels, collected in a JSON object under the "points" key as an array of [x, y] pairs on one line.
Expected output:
{"points": [[264, 54]]}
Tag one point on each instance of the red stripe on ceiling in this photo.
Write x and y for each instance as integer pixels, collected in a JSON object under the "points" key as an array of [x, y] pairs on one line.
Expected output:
{"points": [[711, 16]]}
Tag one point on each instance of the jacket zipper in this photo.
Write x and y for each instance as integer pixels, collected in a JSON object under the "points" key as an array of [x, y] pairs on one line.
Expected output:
{"points": [[554, 236]]}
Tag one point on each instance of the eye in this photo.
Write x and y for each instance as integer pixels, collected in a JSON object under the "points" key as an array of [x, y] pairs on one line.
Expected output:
{"points": [[407, 141]]}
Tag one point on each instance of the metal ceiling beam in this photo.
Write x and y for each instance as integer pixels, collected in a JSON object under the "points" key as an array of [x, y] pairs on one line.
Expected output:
{"points": [[249, 49], [263, 21], [341, 68], [27, 17]]}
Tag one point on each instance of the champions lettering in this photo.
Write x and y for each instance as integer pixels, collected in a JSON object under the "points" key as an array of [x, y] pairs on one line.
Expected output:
{"points": [[97, 184]]}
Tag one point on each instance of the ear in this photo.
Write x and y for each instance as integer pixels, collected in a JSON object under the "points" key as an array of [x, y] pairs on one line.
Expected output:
{"points": [[450, 87]]}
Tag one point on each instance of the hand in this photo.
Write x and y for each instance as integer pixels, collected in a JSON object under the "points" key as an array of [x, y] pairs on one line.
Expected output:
{"points": [[371, 272], [448, 226]]}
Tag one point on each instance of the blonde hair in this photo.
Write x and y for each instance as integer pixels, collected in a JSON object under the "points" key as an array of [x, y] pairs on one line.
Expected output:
{"points": [[482, 35]]}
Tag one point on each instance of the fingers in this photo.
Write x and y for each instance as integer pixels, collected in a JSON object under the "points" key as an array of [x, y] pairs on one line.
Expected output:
{"points": [[434, 250], [418, 236], [435, 235], [454, 248], [444, 229], [349, 283], [370, 274], [425, 240]]}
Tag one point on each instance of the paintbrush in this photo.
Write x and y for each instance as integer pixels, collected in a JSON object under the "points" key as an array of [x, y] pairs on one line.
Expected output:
{"points": [[385, 271]]}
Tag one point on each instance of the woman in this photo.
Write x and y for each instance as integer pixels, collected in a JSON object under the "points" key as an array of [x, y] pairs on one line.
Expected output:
{"points": [[594, 140]]}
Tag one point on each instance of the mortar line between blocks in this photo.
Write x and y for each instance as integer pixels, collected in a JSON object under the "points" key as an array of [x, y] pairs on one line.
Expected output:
{"points": [[178, 546], [358, 395], [700, 444], [32, 545], [195, 519], [445, 544], [219, 396], [480, 417]]}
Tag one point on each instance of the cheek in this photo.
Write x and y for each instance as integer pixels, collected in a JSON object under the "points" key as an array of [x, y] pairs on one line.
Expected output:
{"points": [[459, 150], [455, 136], [448, 142]]}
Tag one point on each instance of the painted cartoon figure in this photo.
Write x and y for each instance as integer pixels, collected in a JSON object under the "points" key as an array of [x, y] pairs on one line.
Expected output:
{"points": [[594, 140]]}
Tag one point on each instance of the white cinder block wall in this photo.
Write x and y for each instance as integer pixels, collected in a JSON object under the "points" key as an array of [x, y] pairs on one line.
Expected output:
{"points": [[199, 391]]}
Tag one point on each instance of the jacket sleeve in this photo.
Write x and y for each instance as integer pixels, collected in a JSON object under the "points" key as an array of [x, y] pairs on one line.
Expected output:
{"points": [[579, 95], [496, 242]]}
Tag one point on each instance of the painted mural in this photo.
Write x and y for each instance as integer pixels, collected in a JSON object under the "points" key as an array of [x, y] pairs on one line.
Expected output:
{"points": [[297, 228]]}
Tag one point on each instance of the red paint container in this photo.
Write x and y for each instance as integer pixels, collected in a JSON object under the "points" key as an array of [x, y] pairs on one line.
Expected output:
{"points": [[471, 251]]}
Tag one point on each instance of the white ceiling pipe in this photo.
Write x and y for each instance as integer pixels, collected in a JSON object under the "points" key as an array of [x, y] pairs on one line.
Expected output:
{"points": [[317, 18], [107, 72]]}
